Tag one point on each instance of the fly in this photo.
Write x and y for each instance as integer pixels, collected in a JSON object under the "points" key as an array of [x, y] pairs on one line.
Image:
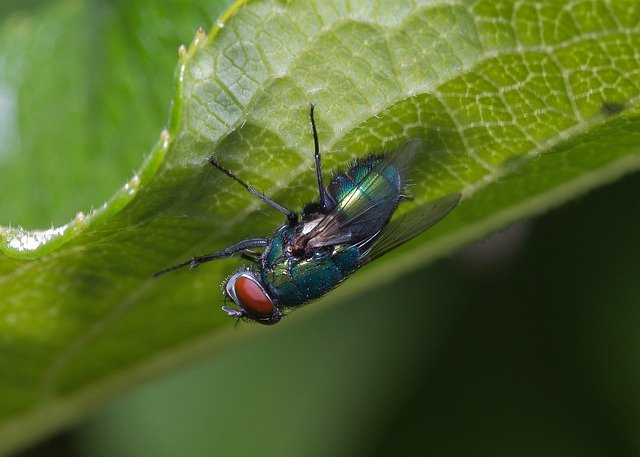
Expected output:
{"points": [[314, 251]]}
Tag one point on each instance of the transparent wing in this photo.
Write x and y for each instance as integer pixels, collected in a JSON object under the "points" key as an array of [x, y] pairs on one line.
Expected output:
{"points": [[410, 225], [366, 209]]}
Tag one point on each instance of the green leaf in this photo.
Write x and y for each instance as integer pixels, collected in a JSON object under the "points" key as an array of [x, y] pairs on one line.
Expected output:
{"points": [[521, 105]]}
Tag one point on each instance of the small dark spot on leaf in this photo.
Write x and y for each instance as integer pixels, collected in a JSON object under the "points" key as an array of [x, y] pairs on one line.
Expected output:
{"points": [[611, 108]]}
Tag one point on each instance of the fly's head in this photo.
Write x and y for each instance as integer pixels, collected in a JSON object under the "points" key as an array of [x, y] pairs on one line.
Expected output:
{"points": [[252, 299]]}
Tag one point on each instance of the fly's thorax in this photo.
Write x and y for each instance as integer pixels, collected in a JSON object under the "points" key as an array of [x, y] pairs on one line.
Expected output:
{"points": [[249, 294], [297, 245], [293, 281]]}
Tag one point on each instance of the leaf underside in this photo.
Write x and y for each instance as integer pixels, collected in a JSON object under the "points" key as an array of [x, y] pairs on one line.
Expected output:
{"points": [[520, 105]]}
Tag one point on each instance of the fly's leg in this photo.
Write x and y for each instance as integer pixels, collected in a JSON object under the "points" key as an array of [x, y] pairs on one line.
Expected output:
{"points": [[243, 247], [291, 216], [324, 200]]}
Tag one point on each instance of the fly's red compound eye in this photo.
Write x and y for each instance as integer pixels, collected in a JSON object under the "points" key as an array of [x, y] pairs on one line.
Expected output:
{"points": [[252, 298], [245, 289]]}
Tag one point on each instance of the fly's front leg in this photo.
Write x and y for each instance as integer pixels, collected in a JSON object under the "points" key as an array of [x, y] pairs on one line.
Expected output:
{"points": [[243, 247]]}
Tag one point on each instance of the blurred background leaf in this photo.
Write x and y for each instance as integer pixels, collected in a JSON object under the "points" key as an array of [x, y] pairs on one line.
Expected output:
{"points": [[522, 106]]}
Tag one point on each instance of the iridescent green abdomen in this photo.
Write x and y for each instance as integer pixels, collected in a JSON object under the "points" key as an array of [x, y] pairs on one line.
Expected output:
{"points": [[292, 281]]}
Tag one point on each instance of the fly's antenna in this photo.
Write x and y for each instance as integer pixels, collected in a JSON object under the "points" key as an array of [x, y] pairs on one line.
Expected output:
{"points": [[324, 200], [291, 216]]}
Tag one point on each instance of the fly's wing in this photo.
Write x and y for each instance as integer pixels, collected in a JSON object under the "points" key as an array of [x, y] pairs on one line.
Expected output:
{"points": [[410, 225], [365, 210]]}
